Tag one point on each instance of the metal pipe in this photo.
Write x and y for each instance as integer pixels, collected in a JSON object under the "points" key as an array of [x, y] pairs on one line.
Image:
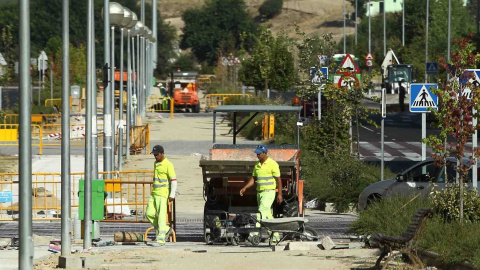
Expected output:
{"points": [[154, 32], [129, 95], [51, 83], [344, 33], [112, 120], [424, 116], [87, 241], [65, 166], [369, 28], [356, 25], [120, 109], [403, 23], [25, 254], [135, 84], [94, 160], [139, 71], [142, 61], [107, 94], [384, 28]]}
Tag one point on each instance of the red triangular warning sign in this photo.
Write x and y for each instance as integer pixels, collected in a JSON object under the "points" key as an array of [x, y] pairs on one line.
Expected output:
{"points": [[369, 56], [348, 66]]}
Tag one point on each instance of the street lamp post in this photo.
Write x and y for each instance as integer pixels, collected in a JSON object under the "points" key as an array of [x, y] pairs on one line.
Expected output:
{"points": [[116, 17], [127, 18], [130, 28]]}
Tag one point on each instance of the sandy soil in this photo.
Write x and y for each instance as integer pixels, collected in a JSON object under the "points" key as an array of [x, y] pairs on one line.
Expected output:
{"points": [[199, 256], [314, 17]]}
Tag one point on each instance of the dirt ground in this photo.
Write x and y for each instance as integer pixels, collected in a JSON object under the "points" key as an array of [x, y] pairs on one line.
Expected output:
{"points": [[8, 164], [199, 256], [314, 17]]}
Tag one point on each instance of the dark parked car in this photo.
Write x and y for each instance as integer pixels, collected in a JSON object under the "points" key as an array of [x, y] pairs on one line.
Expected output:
{"points": [[310, 107], [416, 179]]}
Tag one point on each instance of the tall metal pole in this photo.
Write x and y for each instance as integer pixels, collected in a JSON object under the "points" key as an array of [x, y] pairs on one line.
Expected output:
{"points": [[51, 83], [137, 90], [25, 257], [87, 241], [66, 203], [134, 82], [424, 115], [154, 30], [344, 32], [142, 61], [112, 120], [107, 94], [384, 28], [356, 25], [94, 105], [369, 28], [403, 23], [120, 109], [129, 95], [40, 66]]}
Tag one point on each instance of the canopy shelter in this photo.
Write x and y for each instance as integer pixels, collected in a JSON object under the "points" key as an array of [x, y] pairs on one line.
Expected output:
{"points": [[255, 109]]}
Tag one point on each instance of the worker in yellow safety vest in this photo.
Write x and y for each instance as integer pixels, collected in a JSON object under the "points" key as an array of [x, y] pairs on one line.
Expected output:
{"points": [[163, 191], [266, 173]]}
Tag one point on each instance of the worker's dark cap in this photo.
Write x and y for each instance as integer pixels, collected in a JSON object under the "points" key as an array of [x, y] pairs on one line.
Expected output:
{"points": [[260, 149], [157, 149]]}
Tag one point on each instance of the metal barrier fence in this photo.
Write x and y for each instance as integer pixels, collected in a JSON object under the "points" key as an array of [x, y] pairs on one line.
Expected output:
{"points": [[215, 100], [9, 135], [140, 138], [37, 119], [50, 135], [56, 102], [160, 104], [130, 194]]}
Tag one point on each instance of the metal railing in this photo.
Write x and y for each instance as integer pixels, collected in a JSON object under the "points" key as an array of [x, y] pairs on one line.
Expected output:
{"points": [[130, 194], [160, 104], [215, 100], [56, 102], [9, 136], [38, 119]]}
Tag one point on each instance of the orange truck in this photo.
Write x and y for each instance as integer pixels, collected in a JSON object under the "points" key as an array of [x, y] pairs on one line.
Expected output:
{"points": [[183, 87], [229, 167]]}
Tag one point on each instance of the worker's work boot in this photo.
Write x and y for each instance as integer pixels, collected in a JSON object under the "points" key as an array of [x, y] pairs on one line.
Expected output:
{"points": [[156, 244], [167, 235]]}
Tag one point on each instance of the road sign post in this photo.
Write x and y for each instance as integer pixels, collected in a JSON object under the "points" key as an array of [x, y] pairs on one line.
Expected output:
{"points": [[421, 99]]}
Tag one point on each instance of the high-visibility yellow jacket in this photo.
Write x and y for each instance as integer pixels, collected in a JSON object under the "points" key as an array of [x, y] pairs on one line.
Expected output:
{"points": [[265, 174], [163, 174]]}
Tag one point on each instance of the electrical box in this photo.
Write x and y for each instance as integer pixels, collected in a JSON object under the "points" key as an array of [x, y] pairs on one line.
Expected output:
{"points": [[75, 91], [98, 199]]}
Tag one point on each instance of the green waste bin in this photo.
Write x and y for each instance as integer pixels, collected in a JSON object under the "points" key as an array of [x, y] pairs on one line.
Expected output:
{"points": [[165, 104], [98, 199]]}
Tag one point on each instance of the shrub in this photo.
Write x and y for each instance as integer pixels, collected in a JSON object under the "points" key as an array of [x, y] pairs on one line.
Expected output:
{"points": [[338, 178], [446, 204], [271, 8], [389, 216]]}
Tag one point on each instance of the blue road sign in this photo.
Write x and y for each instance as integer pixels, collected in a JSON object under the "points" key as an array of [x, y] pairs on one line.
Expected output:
{"points": [[422, 98], [474, 80], [432, 68], [5, 196], [320, 76]]}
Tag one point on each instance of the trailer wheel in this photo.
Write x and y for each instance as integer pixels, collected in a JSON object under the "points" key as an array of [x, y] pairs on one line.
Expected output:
{"points": [[309, 234], [196, 108]]}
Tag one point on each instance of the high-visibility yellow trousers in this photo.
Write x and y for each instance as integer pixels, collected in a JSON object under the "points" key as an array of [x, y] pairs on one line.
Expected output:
{"points": [[156, 213], [265, 200]]}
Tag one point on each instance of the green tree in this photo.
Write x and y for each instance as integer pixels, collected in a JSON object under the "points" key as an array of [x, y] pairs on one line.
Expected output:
{"points": [[216, 29], [7, 48], [454, 113], [270, 8], [271, 64]]}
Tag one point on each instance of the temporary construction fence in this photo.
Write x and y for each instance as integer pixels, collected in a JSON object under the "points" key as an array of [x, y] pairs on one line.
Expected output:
{"points": [[9, 135], [214, 100], [50, 135], [129, 190], [37, 119], [160, 104]]}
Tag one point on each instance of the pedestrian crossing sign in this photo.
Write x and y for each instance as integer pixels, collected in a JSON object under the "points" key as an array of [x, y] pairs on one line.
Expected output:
{"points": [[422, 98]]}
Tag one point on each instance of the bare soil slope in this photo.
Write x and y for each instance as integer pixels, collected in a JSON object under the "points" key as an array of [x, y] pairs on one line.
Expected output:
{"points": [[314, 17]]}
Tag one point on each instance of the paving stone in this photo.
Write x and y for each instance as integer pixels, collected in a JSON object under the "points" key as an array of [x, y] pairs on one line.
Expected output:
{"points": [[70, 262], [327, 243], [356, 245], [304, 246]]}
